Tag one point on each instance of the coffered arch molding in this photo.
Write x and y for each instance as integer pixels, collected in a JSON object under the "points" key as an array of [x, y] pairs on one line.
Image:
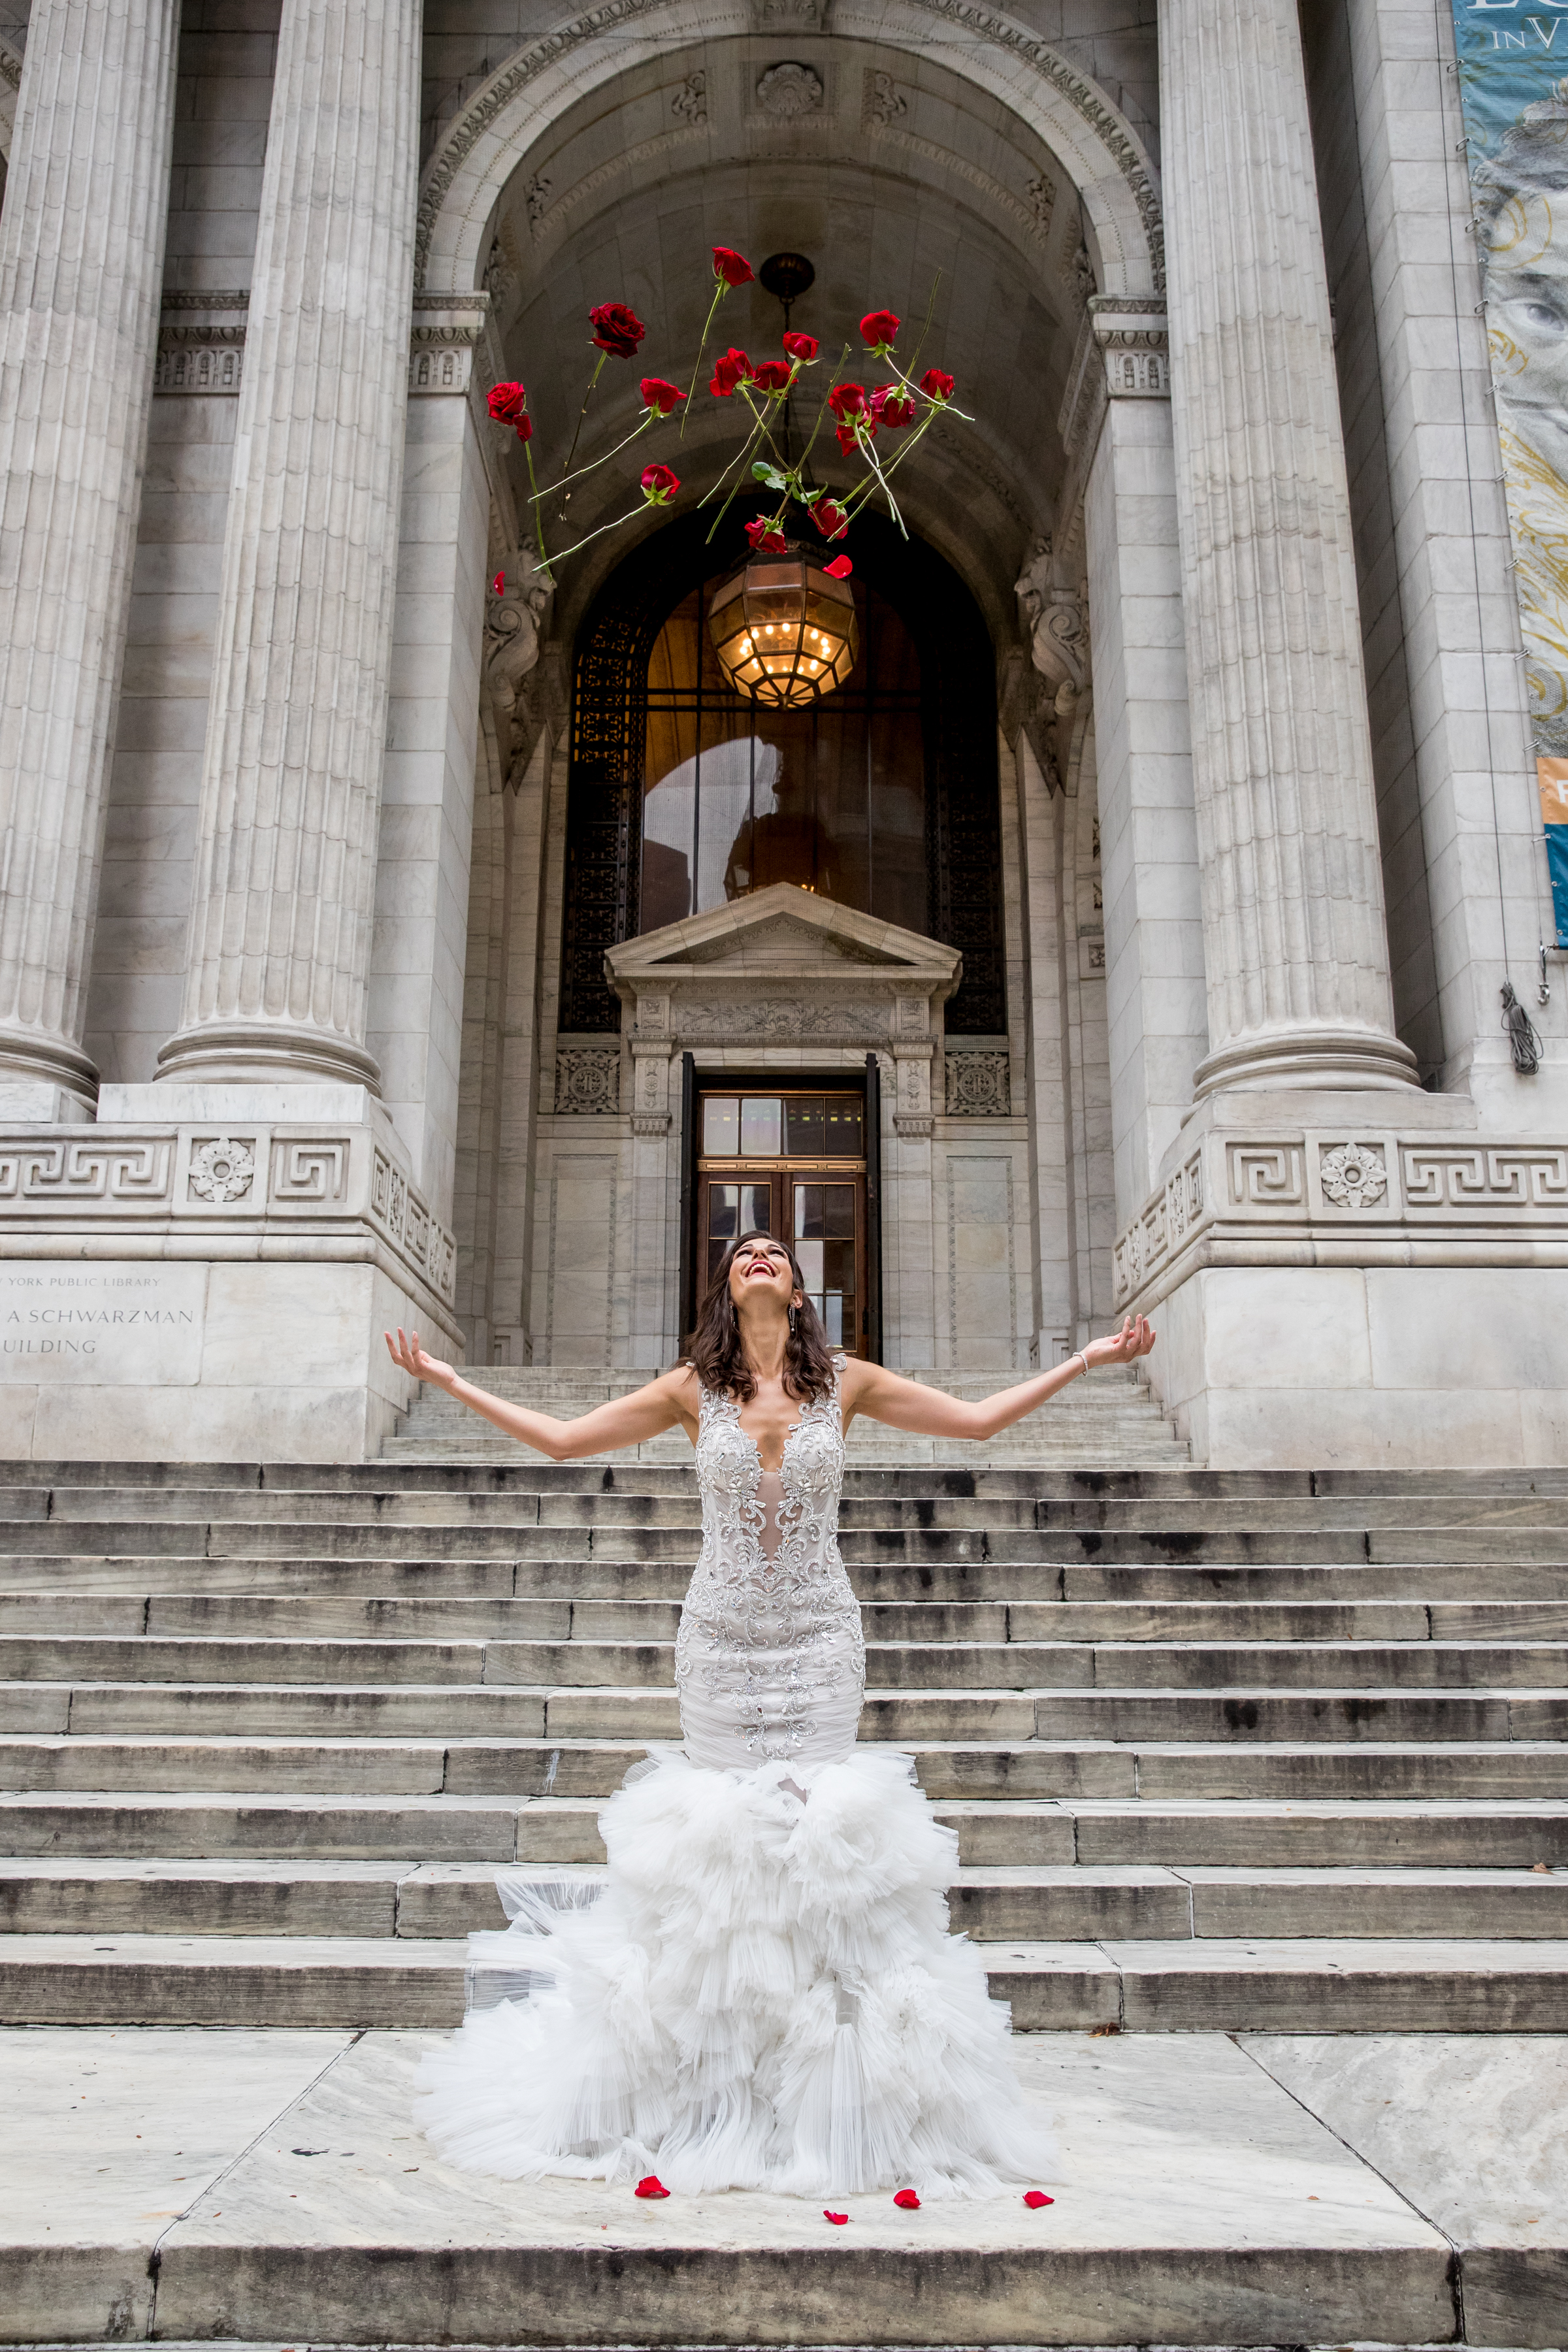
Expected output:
{"points": [[1095, 146]]}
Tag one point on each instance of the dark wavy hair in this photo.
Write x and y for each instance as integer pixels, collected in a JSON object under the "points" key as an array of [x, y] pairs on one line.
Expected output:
{"points": [[719, 1358]]}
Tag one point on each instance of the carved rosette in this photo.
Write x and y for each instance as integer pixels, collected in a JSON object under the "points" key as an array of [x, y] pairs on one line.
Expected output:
{"points": [[587, 1080], [978, 1086]]}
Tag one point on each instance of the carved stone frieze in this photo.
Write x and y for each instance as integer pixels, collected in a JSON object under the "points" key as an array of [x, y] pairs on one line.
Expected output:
{"points": [[162, 1191], [1330, 1198], [201, 343], [883, 102], [691, 100], [441, 342], [789, 90], [587, 1080]]}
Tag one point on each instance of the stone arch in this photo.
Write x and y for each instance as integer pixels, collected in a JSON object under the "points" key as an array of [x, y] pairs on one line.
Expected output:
{"points": [[1096, 146]]}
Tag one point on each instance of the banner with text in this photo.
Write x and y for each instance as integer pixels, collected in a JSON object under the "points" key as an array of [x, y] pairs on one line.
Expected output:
{"points": [[1513, 78]]}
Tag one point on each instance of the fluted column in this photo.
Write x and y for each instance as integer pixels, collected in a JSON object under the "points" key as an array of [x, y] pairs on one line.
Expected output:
{"points": [[82, 256], [281, 927], [1295, 946]]}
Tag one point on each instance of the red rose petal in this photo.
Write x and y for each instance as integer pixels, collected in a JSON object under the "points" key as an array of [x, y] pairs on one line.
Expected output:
{"points": [[840, 569], [651, 2186], [1034, 2197], [830, 2215], [908, 2200], [499, 583]]}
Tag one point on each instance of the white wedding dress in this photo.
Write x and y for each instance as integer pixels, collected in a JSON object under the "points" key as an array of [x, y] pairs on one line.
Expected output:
{"points": [[764, 1992]]}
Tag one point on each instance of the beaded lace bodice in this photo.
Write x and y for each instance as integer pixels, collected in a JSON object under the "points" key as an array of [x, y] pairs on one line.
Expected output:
{"points": [[769, 1663]]}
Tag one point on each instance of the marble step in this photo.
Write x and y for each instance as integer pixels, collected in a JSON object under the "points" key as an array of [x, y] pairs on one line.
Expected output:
{"points": [[209, 1616], [1012, 1835], [346, 1897], [1252, 1985], [459, 1711], [84, 1762], [588, 1664]]}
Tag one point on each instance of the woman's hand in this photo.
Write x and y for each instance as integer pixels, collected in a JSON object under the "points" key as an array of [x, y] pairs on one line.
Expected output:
{"points": [[410, 1357], [1136, 1339]]}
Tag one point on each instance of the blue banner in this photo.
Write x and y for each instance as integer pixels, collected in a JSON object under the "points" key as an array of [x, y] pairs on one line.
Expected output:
{"points": [[1514, 79]]}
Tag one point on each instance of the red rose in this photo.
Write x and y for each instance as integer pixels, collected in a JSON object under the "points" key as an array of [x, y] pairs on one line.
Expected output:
{"points": [[732, 368], [879, 329], [616, 330], [525, 429], [650, 2185], [508, 402], [658, 394], [846, 436], [847, 400], [499, 583], [892, 407], [731, 266], [771, 375], [829, 518], [763, 539], [936, 384], [840, 569], [801, 347], [660, 484]]}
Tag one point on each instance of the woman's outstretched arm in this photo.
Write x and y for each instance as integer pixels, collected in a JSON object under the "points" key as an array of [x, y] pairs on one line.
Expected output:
{"points": [[886, 1396], [624, 1421]]}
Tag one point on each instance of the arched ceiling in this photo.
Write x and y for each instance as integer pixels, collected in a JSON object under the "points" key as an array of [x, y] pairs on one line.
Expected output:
{"points": [[897, 176]]}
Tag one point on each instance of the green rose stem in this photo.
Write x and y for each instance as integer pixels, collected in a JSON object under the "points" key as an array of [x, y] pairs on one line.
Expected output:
{"points": [[582, 413], [721, 288], [604, 527], [544, 556]]}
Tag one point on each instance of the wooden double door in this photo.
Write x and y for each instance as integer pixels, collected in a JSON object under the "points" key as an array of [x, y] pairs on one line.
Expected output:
{"points": [[789, 1162]]}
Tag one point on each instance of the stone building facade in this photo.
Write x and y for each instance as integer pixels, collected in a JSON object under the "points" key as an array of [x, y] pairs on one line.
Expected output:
{"points": [[330, 991]]}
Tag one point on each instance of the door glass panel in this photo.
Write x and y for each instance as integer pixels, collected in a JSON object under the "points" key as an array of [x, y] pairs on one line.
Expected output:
{"points": [[734, 1209], [720, 1128], [761, 1127], [843, 1124], [805, 1126], [824, 1245]]}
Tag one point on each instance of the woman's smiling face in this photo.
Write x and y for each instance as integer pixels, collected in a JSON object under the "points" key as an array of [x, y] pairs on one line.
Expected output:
{"points": [[1527, 318], [760, 1263]]}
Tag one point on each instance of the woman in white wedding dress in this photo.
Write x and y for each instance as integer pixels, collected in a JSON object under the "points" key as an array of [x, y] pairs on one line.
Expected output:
{"points": [[765, 1993]]}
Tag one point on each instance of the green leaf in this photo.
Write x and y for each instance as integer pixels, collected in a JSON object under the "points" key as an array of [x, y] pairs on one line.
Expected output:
{"points": [[768, 473]]}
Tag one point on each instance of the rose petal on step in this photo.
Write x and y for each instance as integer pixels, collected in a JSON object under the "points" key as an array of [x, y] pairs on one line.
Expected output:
{"points": [[1034, 2197], [651, 2186], [830, 2215], [908, 2200]]}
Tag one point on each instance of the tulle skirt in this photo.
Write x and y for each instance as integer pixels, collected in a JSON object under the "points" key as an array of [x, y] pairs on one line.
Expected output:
{"points": [[763, 1994]]}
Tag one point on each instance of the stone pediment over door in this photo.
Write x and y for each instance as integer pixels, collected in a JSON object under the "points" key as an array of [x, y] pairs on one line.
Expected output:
{"points": [[780, 973]]}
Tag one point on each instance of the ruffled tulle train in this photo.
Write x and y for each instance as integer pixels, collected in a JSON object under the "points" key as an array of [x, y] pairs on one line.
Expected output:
{"points": [[764, 1995]]}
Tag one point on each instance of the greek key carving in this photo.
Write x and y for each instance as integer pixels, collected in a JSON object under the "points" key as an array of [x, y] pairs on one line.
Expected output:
{"points": [[1438, 1178], [309, 1172], [86, 1172], [1266, 1175], [978, 1086], [587, 1079]]}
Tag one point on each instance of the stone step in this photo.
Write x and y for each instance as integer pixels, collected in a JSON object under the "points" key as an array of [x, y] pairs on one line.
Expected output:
{"points": [[526, 1768], [507, 1616], [1016, 1837], [1251, 1716], [1252, 1985]]}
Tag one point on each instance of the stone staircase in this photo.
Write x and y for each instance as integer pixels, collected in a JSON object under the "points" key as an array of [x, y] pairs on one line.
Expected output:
{"points": [[1266, 1751], [1110, 1421]]}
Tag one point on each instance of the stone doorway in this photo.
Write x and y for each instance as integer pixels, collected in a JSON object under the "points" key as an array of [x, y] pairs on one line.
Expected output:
{"points": [[788, 1159]]}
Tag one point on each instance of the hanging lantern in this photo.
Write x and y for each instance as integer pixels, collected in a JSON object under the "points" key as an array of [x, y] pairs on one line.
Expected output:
{"points": [[784, 631]]}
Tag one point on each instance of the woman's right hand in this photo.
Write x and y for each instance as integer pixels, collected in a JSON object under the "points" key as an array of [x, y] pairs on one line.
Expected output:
{"points": [[410, 1357]]}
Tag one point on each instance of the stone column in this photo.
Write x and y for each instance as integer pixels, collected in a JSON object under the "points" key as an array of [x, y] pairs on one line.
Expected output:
{"points": [[82, 255], [280, 928], [1295, 946]]}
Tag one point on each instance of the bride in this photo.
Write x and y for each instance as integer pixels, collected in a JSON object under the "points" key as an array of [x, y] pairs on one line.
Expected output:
{"points": [[765, 1994]]}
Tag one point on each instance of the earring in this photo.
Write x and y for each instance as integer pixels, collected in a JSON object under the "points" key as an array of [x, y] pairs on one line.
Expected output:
{"points": [[792, 1320]]}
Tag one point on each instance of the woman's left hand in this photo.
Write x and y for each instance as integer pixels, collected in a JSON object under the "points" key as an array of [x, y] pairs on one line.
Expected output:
{"points": [[1136, 1339]]}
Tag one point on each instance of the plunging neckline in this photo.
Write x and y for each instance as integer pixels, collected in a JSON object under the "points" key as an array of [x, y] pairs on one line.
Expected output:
{"points": [[762, 1470]]}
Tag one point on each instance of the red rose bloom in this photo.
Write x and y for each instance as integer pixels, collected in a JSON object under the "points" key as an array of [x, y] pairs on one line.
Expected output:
{"points": [[846, 436], [892, 407], [616, 330], [879, 329], [763, 539], [771, 375], [660, 484], [732, 369], [524, 428], [801, 347], [840, 569], [829, 518], [508, 402], [731, 267], [658, 394], [936, 384], [847, 400]]}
